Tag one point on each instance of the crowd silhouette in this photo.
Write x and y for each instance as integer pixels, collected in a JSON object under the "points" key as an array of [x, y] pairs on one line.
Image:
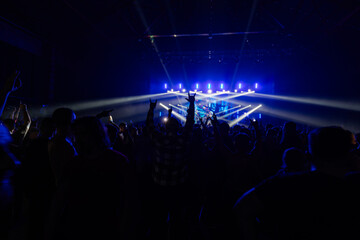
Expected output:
{"points": [[64, 177]]}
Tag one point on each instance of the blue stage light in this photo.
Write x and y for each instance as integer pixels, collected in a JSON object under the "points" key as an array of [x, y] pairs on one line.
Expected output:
{"points": [[165, 86], [197, 86], [256, 85], [180, 85], [209, 86], [259, 115], [222, 86], [239, 85]]}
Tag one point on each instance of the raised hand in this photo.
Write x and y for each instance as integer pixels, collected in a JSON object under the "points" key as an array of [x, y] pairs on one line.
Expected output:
{"points": [[214, 119], [153, 104], [13, 83], [191, 99], [254, 123]]}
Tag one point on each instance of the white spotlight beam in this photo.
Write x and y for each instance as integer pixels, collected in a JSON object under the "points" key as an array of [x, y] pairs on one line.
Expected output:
{"points": [[308, 119], [114, 101], [226, 115], [232, 123], [320, 102], [182, 106], [180, 109], [238, 95], [182, 118], [228, 110]]}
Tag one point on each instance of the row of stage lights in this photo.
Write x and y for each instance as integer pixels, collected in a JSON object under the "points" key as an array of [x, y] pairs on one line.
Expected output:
{"points": [[209, 89]]}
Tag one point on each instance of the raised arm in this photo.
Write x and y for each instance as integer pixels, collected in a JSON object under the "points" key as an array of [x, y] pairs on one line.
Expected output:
{"points": [[190, 113], [257, 150], [169, 112], [11, 84], [149, 124], [26, 115]]}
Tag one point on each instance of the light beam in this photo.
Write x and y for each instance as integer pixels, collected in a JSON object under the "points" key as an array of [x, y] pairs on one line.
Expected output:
{"points": [[235, 121]]}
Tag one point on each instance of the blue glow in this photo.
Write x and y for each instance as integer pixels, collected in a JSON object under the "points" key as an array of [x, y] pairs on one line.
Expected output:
{"points": [[256, 85], [209, 86], [239, 85], [165, 86], [159, 114], [180, 85], [259, 115], [222, 86], [197, 86]]}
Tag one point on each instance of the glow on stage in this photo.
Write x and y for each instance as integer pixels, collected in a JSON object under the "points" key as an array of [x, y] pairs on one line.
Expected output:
{"points": [[234, 122], [182, 118], [226, 115]]}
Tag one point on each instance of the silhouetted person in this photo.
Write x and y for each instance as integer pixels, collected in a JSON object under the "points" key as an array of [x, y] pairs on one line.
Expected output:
{"points": [[294, 160], [39, 181], [61, 149], [311, 205], [170, 172], [7, 185], [290, 137], [96, 196]]}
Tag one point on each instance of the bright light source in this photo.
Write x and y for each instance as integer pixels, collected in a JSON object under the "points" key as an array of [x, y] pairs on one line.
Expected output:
{"points": [[249, 90], [231, 113], [184, 90], [165, 119], [195, 90], [239, 85], [180, 85], [259, 115], [182, 118], [197, 86], [172, 90], [223, 90], [256, 85], [165, 86], [235, 90], [232, 123], [209, 86], [209, 91], [222, 86]]}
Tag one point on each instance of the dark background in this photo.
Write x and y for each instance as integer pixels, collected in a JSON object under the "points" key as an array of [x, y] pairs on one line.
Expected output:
{"points": [[77, 50]]}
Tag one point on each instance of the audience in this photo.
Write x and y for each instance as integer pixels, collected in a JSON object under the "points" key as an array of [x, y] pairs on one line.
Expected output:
{"points": [[68, 178]]}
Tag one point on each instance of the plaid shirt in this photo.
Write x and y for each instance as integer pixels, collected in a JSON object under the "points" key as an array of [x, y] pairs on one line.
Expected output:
{"points": [[170, 165]]}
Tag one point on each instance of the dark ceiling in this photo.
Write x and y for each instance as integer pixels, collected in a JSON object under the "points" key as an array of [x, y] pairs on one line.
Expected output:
{"points": [[108, 39]]}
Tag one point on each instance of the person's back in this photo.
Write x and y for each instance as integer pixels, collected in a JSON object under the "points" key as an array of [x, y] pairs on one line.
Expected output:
{"points": [[60, 147], [302, 206], [93, 200], [95, 191], [311, 205]]}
